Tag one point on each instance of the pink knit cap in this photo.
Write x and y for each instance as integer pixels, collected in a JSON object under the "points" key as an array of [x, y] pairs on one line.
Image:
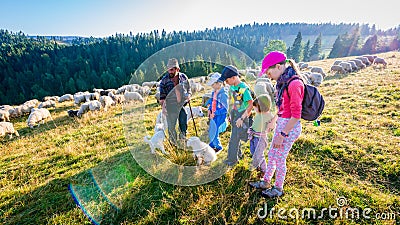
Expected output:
{"points": [[271, 59]]}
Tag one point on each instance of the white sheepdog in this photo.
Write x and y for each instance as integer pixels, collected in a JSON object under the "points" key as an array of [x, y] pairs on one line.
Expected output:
{"points": [[157, 141], [201, 151]]}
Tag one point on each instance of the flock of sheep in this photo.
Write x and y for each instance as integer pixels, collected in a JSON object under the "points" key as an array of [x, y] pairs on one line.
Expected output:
{"points": [[101, 99]]}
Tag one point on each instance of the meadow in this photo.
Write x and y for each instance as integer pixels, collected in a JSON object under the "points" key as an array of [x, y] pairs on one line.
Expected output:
{"points": [[350, 162]]}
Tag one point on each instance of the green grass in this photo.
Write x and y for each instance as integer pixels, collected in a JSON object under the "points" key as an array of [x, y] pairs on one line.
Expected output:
{"points": [[354, 154]]}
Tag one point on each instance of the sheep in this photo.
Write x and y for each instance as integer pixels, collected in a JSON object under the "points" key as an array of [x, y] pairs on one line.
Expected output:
{"points": [[316, 79], [4, 115], [93, 105], [72, 113], [370, 58], [263, 79], [303, 65], [150, 84], [80, 97], [53, 98], [36, 116], [133, 96], [353, 65], [31, 103], [66, 97], [196, 87], [346, 66], [118, 99], [106, 102], [359, 63], [365, 60], [318, 70], [337, 62], [92, 96], [250, 75], [379, 60], [7, 128], [338, 69], [47, 104]]}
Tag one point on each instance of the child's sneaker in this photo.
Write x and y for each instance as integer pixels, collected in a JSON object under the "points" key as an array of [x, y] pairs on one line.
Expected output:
{"points": [[272, 193], [260, 185]]}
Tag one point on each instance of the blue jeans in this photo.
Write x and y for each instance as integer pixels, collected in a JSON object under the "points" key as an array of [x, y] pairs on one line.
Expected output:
{"points": [[214, 131]]}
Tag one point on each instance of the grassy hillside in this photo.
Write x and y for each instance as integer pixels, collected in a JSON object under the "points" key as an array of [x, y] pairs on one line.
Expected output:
{"points": [[352, 157]]}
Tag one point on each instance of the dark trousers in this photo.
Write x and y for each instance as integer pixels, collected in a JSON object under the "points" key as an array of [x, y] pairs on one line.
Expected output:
{"points": [[172, 116], [238, 134]]}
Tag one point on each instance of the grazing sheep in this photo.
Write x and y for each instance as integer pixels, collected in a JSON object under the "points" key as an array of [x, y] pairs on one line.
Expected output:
{"points": [[353, 65], [359, 63], [338, 69], [47, 104], [118, 99], [370, 58], [106, 101], [80, 97], [92, 96], [36, 116], [316, 79], [379, 60], [7, 128], [303, 65], [133, 96], [31, 103], [94, 105], [66, 97], [150, 84], [72, 113], [316, 69], [337, 62], [53, 98], [346, 66], [83, 109], [365, 60]]}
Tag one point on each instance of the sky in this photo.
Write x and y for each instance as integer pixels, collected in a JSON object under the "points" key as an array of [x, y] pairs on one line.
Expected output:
{"points": [[103, 18]]}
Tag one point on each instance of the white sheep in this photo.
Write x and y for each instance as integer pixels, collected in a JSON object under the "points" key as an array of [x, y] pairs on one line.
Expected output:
{"points": [[337, 69], [370, 58], [80, 97], [7, 128], [316, 79], [36, 116], [93, 105], [346, 66], [379, 60], [365, 60], [106, 102], [133, 96], [359, 63], [316, 69], [47, 104], [47, 98], [4, 115], [337, 62], [66, 97], [354, 67], [92, 96]]}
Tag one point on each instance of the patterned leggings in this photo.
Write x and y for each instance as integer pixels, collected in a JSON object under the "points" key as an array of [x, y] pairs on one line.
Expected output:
{"points": [[277, 156]]}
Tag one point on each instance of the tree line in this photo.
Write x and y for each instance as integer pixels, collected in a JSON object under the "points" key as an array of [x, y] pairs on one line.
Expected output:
{"points": [[34, 67]]}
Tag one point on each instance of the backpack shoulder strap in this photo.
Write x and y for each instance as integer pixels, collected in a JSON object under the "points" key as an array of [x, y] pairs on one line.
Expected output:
{"points": [[289, 81]]}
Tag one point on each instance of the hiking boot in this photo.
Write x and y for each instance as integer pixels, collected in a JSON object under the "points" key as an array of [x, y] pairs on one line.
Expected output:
{"points": [[260, 185], [272, 193]]}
